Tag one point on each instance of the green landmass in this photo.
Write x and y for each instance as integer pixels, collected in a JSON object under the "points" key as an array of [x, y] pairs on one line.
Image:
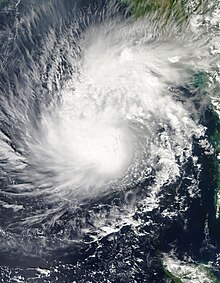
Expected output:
{"points": [[174, 10], [173, 278], [213, 134], [183, 272], [199, 81], [214, 139], [140, 8]]}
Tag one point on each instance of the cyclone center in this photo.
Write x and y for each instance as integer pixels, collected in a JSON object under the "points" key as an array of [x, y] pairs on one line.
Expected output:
{"points": [[104, 148]]}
